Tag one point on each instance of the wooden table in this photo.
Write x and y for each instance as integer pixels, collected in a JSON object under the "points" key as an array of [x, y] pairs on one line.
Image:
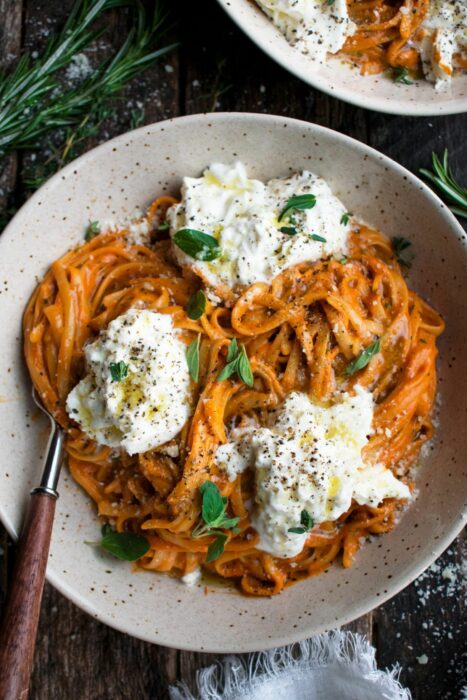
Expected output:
{"points": [[217, 68]]}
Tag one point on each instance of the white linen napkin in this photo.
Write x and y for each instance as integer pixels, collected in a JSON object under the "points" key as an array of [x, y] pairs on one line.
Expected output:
{"points": [[334, 666]]}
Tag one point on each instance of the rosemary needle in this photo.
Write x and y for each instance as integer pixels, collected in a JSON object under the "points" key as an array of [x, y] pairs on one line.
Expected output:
{"points": [[31, 100], [442, 178]]}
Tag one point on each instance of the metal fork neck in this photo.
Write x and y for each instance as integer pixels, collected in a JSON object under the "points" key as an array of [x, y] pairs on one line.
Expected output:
{"points": [[52, 463]]}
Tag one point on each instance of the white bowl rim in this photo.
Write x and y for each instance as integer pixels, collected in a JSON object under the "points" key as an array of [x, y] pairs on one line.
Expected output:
{"points": [[396, 584], [410, 109]]}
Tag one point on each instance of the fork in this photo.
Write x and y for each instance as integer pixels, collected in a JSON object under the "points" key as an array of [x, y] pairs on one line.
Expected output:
{"points": [[21, 616]]}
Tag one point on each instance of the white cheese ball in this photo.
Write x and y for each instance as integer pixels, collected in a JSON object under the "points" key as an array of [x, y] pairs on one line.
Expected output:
{"points": [[309, 458], [242, 214], [150, 405], [315, 27]]}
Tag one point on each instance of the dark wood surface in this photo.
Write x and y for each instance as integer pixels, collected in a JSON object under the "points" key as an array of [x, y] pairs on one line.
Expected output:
{"points": [[216, 68]]}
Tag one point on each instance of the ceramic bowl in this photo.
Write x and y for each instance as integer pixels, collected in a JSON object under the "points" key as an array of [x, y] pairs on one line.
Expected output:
{"points": [[341, 80], [108, 183]]}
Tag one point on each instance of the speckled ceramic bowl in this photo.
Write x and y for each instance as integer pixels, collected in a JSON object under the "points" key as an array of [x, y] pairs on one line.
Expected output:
{"points": [[109, 182], [341, 80]]}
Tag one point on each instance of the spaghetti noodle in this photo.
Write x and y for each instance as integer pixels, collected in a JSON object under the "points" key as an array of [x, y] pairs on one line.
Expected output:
{"points": [[300, 332], [408, 37], [386, 35]]}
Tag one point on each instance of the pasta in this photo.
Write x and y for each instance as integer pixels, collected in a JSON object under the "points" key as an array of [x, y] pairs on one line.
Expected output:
{"points": [[386, 34], [409, 37], [300, 333]]}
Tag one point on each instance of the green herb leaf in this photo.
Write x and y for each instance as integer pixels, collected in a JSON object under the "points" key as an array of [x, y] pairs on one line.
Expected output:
{"points": [[345, 218], [192, 358], [216, 548], [443, 179], [289, 230], [163, 226], [196, 305], [237, 363], [364, 358], [213, 514], [315, 237], [343, 260], [118, 370], [400, 75], [298, 202], [231, 524], [92, 230], [244, 368], [213, 506], [306, 523], [399, 245], [197, 244], [32, 102], [229, 370], [124, 545], [232, 350], [330, 2], [306, 520]]}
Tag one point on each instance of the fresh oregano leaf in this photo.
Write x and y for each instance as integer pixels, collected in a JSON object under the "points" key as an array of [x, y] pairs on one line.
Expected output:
{"points": [[196, 305], [345, 218], [213, 506], [118, 370], [197, 244], [237, 363], [127, 546], [229, 369], [213, 513], [216, 548], [364, 358], [306, 523], [192, 358], [232, 350], [92, 230], [244, 368]]}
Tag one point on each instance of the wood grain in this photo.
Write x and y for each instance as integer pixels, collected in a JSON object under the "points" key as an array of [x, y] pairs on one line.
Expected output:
{"points": [[23, 603], [218, 69], [10, 44]]}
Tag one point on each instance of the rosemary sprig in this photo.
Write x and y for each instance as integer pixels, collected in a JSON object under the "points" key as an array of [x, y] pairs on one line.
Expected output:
{"points": [[70, 144], [31, 101], [442, 178]]}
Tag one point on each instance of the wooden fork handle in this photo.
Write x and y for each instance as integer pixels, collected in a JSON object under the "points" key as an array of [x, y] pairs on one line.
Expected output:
{"points": [[23, 604]]}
